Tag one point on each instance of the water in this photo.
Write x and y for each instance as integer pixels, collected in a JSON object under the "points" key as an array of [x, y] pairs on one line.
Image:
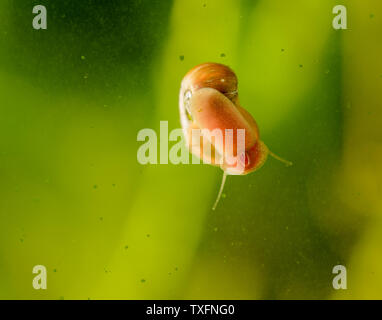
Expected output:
{"points": [[75, 199]]}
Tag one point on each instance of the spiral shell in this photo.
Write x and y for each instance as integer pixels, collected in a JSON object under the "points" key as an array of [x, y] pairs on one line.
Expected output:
{"points": [[208, 99]]}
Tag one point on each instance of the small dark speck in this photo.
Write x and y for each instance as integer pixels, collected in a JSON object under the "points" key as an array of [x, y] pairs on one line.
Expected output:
{"points": [[54, 270], [282, 49], [143, 280], [126, 247], [176, 268], [101, 218], [204, 5], [62, 298], [300, 65], [21, 240], [148, 235], [113, 184], [181, 58], [95, 186], [222, 55], [371, 15]]}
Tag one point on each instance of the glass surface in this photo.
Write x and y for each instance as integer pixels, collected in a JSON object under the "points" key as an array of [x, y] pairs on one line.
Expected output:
{"points": [[74, 198]]}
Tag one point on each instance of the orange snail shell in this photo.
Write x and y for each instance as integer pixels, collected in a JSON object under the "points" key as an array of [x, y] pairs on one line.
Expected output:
{"points": [[208, 99]]}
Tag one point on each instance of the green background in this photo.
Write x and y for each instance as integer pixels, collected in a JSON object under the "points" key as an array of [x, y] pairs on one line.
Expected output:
{"points": [[74, 198]]}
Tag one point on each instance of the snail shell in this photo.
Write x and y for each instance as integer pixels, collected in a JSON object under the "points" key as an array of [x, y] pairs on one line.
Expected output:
{"points": [[208, 99]]}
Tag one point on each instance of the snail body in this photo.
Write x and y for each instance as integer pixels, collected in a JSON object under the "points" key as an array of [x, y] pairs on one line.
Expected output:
{"points": [[208, 100]]}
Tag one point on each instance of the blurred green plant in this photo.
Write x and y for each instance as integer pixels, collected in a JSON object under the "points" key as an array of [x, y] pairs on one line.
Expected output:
{"points": [[74, 198]]}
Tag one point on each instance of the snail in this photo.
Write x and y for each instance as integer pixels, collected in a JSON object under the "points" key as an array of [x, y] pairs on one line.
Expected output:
{"points": [[209, 102]]}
